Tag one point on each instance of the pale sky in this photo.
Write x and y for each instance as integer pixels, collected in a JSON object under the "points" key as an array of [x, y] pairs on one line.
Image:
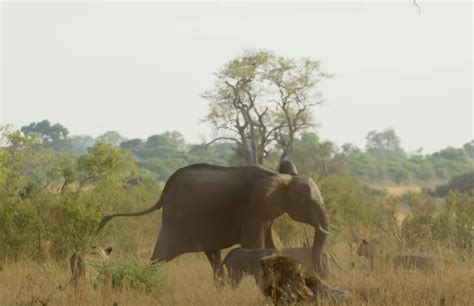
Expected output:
{"points": [[139, 68]]}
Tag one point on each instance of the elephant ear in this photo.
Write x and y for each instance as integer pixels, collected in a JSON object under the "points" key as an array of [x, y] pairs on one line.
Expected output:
{"points": [[287, 167], [270, 195]]}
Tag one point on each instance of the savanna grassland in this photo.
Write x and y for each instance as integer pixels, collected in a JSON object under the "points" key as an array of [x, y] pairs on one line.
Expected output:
{"points": [[189, 282], [54, 190]]}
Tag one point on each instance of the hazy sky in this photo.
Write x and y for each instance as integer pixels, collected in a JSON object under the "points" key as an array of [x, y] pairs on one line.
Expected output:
{"points": [[139, 68]]}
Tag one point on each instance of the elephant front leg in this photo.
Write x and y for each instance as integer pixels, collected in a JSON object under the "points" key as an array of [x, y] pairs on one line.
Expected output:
{"points": [[269, 243], [253, 235], [217, 268]]}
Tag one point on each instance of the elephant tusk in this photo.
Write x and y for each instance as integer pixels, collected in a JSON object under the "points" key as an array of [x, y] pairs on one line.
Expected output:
{"points": [[324, 231], [333, 226]]}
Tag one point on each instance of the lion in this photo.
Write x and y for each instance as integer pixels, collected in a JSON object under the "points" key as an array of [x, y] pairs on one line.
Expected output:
{"points": [[82, 264], [286, 281], [382, 260]]}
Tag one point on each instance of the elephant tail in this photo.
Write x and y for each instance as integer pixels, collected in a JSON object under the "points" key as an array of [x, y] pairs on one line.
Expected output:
{"points": [[107, 218]]}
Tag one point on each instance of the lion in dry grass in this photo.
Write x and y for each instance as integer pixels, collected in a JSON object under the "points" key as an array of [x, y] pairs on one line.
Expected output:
{"points": [[286, 281], [380, 259], [82, 264]]}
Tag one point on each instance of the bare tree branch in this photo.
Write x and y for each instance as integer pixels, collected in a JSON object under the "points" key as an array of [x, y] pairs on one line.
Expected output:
{"points": [[223, 138]]}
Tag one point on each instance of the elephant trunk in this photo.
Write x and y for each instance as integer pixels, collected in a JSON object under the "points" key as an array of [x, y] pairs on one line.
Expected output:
{"points": [[321, 229]]}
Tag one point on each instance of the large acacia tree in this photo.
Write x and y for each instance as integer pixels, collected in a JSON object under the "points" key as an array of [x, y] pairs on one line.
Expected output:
{"points": [[261, 100]]}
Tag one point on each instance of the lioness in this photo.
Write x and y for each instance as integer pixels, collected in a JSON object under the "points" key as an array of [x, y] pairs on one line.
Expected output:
{"points": [[82, 264], [379, 259]]}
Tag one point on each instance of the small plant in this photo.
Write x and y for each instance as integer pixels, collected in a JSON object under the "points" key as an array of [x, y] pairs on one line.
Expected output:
{"points": [[129, 272]]}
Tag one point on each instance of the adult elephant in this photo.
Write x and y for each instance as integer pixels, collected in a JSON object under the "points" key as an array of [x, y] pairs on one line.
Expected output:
{"points": [[209, 208]]}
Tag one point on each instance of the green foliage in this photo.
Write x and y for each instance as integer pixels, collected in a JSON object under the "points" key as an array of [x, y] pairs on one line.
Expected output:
{"points": [[459, 183], [129, 272], [384, 144], [292, 233], [217, 153], [351, 206], [52, 199], [29, 167], [76, 221], [315, 158], [261, 99], [385, 161], [418, 229], [105, 163], [469, 148], [163, 154], [458, 218], [112, 138], [21, 226], [428, 223], [51, 135], [136, 145], [77, 144]]}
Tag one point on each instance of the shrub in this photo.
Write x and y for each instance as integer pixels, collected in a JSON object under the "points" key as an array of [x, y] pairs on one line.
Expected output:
{"points": [[21, 229], [75, 223], [129, 272], [460, 183], [292, 233], [451, 225]]}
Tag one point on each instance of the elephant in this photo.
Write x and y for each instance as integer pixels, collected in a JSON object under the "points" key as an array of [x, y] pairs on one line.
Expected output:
{"points": [[241, 262], [209, 208]]}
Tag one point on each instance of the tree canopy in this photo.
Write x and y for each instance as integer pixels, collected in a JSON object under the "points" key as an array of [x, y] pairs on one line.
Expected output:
{"points": [[51, 135], [261, 99]]}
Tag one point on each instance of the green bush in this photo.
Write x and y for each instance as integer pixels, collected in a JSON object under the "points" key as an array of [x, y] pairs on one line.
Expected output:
{"points": [[129, 272], [448, 225], [351, 206], [21, 229], [458, 217], [292, 233], [75, 223], [460, 183]]}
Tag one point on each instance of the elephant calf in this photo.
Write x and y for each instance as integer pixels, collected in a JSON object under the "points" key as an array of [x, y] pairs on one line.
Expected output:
{"points": [[377, 257], [240, 262]]}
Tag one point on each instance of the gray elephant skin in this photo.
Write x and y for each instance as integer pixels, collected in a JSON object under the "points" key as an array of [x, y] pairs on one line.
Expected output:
{"points": [[209, 208]]}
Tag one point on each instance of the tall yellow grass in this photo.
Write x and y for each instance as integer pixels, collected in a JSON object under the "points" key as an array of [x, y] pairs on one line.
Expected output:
{"points": [[190, 283]]}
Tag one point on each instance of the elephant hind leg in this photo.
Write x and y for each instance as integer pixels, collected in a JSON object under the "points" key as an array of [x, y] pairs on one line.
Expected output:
{"points": [[216, 263], [166, 248]]}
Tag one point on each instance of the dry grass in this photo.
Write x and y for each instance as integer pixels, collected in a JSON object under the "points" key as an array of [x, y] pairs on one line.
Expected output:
{"points": [[399, 190], [190, 283]]}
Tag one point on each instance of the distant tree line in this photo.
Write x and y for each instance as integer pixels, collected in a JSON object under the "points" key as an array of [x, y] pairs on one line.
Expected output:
{"points": [[383, 160]]}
